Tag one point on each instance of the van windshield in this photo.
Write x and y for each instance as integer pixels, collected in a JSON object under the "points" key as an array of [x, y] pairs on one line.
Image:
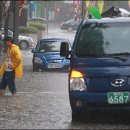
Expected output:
{"points": [[101, 39]]}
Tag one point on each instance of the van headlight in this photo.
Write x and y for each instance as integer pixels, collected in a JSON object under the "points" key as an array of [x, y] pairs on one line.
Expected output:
{"points": [[38, 60], [77, 82]]}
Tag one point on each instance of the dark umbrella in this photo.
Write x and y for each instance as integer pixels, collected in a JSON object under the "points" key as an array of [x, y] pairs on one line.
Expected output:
{"points": [[115, 12], [111, 12]]}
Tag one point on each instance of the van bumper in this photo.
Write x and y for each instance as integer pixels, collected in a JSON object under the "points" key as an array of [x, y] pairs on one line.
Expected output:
{"points": [[85, 101]]}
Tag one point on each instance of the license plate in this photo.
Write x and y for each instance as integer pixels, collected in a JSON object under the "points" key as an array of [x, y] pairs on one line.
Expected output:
{"points": [[55, 66], [118, 97]]}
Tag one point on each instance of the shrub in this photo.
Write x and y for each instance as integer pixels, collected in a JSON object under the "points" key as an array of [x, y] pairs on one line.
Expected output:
{"points": [[39, 26], [28, 29]]}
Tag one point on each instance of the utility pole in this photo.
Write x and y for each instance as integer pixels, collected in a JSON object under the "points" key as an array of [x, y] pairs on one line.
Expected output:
{"points": [[1, 4], [16, 21], [6, 15], [83, 13], [46, 13]]}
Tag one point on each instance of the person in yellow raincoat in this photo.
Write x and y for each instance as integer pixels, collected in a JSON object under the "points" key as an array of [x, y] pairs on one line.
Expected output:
{"points": [[11, 67]]}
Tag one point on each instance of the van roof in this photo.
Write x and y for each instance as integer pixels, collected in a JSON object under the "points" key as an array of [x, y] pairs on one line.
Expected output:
{"points": [[108, 20]]}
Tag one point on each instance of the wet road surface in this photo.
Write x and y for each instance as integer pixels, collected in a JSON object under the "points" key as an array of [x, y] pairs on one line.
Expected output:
{"points": [[42, 103]]}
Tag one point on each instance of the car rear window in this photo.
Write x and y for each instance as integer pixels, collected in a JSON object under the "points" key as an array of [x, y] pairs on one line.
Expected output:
{"points": [[98, 39]]}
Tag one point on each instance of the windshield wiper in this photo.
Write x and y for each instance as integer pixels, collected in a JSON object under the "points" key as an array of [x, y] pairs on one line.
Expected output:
{"points": [[120, 56], [91, 55]]}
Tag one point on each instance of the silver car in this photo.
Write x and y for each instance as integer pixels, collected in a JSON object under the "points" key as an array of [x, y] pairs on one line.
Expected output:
{"points": [[24, 41]]}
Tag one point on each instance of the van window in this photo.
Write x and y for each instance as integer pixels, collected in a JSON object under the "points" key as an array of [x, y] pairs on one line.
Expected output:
{"points": [[98, 39]]}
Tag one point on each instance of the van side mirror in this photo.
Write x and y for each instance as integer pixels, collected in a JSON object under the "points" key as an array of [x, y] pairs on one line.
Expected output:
{"points": [[64, 49]]}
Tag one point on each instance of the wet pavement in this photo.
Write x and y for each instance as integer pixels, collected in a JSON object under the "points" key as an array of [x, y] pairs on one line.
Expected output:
{"points": [[42, 102], [42, 98]]}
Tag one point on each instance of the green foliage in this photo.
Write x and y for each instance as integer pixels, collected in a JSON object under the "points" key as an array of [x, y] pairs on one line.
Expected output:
{"points": [[39, 26], [28, 30]]}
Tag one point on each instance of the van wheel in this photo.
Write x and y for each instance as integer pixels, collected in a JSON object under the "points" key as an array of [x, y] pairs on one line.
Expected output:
{"points": [[81, 116], [76, 116]]}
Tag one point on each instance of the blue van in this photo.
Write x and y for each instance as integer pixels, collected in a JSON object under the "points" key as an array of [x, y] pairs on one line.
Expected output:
{"points": [[99, 76]]}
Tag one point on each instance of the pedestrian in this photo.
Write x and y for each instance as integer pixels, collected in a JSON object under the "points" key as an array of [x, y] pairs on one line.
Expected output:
{"points": [[11, 67]]}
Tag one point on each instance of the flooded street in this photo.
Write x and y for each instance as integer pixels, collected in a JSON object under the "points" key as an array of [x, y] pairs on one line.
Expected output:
{"points": [[41, 102], [42, 97], [99, 64]]}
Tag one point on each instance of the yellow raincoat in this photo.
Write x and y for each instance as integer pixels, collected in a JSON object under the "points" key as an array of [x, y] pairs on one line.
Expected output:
{"points": [[16, 59]]}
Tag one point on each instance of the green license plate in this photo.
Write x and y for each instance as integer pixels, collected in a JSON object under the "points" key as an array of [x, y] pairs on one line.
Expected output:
{"points": [[118, 97]]}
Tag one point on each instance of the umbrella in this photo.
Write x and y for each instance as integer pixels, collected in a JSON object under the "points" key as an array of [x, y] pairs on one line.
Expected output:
{"points": [[94, 12]]}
